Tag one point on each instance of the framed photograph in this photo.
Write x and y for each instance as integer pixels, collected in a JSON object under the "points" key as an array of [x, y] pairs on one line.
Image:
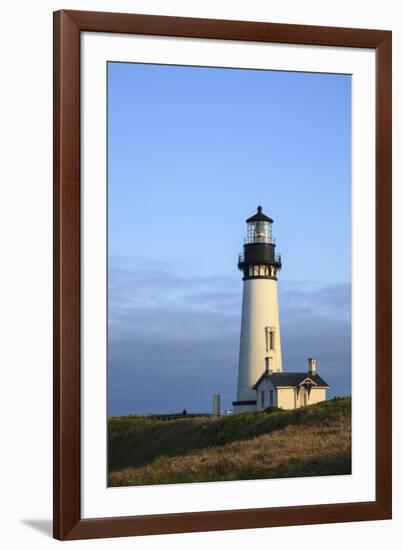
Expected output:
{"points": [[222, 274]]}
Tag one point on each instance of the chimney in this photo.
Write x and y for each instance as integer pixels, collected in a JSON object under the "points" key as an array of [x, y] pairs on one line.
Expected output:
{"points": [[268, 365], [312, 365]]}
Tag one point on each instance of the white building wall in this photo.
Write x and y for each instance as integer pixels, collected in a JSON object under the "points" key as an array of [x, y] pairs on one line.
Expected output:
{"points": [[293, 398], [266, 387], [259, 311], [317, 395], [286, 398]]}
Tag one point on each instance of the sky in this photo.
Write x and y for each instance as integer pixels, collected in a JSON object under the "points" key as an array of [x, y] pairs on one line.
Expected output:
{"points": [[192, 151]]}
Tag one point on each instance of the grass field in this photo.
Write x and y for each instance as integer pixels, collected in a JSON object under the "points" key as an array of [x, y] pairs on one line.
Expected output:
{"points": [[312, 441]]}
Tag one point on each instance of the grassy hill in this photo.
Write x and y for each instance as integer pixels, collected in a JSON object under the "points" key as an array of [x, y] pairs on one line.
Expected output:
{"points": [[315, 440]]}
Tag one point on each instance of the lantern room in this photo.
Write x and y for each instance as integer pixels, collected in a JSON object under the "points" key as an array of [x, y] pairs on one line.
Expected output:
{"points": [[259, 259], [259, 228]]}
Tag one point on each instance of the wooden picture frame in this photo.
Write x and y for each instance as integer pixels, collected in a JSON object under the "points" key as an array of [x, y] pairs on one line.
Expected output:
{"points": [[68, 25]]}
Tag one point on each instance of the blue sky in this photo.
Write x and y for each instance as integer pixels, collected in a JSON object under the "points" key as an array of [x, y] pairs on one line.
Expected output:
{"points": [[191, 152]]}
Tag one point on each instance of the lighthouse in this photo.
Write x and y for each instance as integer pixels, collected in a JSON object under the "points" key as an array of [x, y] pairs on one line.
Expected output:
{"points": [[260, 339]]}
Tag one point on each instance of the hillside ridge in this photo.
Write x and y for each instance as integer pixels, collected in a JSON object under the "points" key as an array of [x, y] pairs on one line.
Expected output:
{"points": [[314, 440]]}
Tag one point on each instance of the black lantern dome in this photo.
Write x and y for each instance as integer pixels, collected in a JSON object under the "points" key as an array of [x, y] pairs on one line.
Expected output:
{"points": [[259, 217]]}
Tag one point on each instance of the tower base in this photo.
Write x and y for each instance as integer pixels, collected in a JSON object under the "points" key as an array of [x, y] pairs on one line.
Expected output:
{"points": [[244, 406]]}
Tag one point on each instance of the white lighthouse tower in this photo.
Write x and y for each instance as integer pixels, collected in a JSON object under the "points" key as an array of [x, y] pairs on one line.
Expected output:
{"points": [[260, 339]]}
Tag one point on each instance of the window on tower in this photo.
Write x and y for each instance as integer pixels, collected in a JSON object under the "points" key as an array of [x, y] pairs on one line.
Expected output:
{"points": [[258, 271], [270, 338]]}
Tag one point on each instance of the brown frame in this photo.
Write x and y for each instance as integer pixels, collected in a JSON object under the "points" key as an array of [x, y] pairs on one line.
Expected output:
{"points": [[67, 515]]}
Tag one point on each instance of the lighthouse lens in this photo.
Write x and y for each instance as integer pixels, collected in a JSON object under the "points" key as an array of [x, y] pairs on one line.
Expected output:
{"points": [[261, 232]]}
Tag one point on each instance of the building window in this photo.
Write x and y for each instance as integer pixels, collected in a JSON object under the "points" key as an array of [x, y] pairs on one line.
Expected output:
{"points": [[263, 399], [271, 397], [268, 364], [270, 338]]}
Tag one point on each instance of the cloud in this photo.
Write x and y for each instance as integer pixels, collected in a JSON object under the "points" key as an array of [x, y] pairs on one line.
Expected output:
{"points": [[174, 336], [307, 298]]}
